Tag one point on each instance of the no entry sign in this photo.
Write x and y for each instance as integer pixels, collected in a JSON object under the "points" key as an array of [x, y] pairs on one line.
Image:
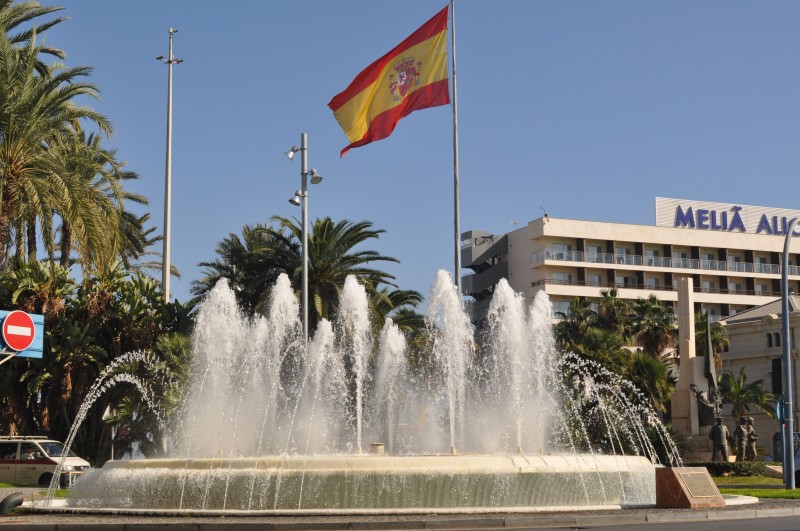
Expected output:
{"points": [[18, 330]]}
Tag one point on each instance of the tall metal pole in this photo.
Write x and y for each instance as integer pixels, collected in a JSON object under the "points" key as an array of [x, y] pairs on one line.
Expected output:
{"points": [[165, 276], [304, 193], [456, 202], [788, 424]]}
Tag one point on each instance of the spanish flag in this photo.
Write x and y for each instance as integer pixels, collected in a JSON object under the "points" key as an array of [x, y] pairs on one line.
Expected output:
{"points": [[412, 76]]}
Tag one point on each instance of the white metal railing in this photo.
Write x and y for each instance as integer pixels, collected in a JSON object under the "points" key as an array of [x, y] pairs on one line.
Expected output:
{"points": [[659, 261], [773, 269]]}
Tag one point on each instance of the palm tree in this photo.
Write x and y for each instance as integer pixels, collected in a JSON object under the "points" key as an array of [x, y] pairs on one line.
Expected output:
{"points": [[572, 328], [248, 262], [38, 118], [94, 217], [719, 338], [13, 15], [614, 313], [653, 377], [653, 325], [604, 347], [252, 262], [399, 305], [741, 395], [332, 257]]}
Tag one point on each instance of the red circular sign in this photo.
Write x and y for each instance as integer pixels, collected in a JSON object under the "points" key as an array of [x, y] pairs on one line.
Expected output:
{"points": [[18, 330]]}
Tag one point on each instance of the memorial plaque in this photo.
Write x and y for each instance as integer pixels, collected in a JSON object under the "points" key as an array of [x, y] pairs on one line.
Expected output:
{"points": [[686, 487], [700, 485]]}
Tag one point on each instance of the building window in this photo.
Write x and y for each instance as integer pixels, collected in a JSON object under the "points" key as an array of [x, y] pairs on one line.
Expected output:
{"points": [[708, 286], [561, 308], [653, 283], [594, 280], [777, 339], [623, 255], [735, 263], [769, 340], [594, 253], [709, 261], [560, 251], [761, 289], [562, 278], [626, 282]]}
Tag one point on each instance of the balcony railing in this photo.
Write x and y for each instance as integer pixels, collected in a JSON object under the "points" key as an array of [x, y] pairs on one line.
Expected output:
{"points": [[659, 261], [651, 287]]}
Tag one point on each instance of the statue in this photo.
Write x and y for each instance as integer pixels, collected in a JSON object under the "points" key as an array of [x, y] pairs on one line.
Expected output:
{"points": [[705, 409], [719, 437], [740, 436], [750, 449]]}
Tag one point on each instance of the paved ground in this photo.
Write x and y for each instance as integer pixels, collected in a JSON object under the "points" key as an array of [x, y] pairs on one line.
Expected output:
{"points": [[30, 521]]}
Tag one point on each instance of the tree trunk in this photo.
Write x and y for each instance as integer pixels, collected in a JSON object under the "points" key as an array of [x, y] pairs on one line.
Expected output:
{"points": [[66, 244], [5, 231], [31, 240]]}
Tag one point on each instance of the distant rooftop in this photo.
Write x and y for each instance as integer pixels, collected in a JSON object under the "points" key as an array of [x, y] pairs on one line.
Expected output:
{"points": [[758, 312]]}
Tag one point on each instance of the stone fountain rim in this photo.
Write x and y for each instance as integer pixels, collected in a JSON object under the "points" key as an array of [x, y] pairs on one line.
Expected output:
{"points": [[511, 463]]}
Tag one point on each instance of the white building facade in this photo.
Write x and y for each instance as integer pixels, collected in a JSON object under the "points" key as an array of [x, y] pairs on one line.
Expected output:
{"points": [[732, 252], [756, 345]]}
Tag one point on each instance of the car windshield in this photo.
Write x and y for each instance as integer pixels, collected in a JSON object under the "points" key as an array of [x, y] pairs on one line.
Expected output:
{"points": [[54, 449]]}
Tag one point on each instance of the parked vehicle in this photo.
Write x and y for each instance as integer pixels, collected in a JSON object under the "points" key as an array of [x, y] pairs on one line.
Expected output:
{"points": [[33, 460]]}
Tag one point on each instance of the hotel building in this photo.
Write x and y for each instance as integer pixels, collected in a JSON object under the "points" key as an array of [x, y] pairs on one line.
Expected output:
{"points": [[732, 252]]}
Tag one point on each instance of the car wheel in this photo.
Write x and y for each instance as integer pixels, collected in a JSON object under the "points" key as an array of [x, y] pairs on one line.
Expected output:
{"points": [[44, 480]]}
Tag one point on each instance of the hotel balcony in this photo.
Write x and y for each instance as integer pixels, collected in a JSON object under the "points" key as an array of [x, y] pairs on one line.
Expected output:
{"points": [[657, 261], [648, 287]]}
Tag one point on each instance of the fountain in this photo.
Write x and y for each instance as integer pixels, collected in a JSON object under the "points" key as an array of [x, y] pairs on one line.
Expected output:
{"points": [[484, 422]]}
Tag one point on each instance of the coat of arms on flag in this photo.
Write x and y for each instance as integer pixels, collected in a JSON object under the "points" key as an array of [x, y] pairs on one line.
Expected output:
{"points": [[407, 76]]}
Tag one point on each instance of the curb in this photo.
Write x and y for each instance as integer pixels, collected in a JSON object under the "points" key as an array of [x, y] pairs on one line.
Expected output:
{"points": [[32, 520]]}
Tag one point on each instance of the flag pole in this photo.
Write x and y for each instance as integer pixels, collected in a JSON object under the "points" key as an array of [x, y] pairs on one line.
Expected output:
{"points": [[456, 203]]}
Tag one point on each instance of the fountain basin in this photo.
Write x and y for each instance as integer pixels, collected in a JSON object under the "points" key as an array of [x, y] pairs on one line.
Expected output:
{"points": [[358, 483]]}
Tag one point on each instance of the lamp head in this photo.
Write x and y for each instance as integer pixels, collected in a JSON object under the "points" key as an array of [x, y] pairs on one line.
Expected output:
{"points": [[160, 58], [291, 152], [316, 178], [296, 199]]}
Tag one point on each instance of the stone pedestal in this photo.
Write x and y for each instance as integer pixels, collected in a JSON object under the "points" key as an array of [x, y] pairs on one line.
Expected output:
{"points": [[686, 488], [681, 410]]}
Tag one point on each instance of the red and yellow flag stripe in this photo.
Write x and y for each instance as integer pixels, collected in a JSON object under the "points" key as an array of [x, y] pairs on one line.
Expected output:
{"points": [[412, 76]]}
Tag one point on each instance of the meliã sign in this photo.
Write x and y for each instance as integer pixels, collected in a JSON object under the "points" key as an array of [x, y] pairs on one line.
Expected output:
{"points": [[724, 217]]}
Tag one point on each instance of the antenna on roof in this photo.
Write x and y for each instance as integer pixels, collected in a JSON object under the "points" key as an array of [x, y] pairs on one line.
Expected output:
{"points": [[544, 212]]}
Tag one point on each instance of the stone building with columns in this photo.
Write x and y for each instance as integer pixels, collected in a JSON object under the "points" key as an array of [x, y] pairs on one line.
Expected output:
{"points": [[756, 345]]}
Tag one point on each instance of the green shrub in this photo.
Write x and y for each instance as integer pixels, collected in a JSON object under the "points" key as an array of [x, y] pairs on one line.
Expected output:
{"points": [[737, 468]]}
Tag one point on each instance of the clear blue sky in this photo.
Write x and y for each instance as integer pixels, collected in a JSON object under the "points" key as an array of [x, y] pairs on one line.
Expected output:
{"points": [[588, 109]]}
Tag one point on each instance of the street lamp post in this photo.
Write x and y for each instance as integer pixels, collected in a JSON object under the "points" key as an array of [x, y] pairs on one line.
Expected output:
{"points": [[788, 422], [171, 60], [301, 198]]}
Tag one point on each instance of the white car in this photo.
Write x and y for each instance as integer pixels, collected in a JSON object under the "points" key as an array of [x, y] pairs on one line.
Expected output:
{"points": [[32, 461]]}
